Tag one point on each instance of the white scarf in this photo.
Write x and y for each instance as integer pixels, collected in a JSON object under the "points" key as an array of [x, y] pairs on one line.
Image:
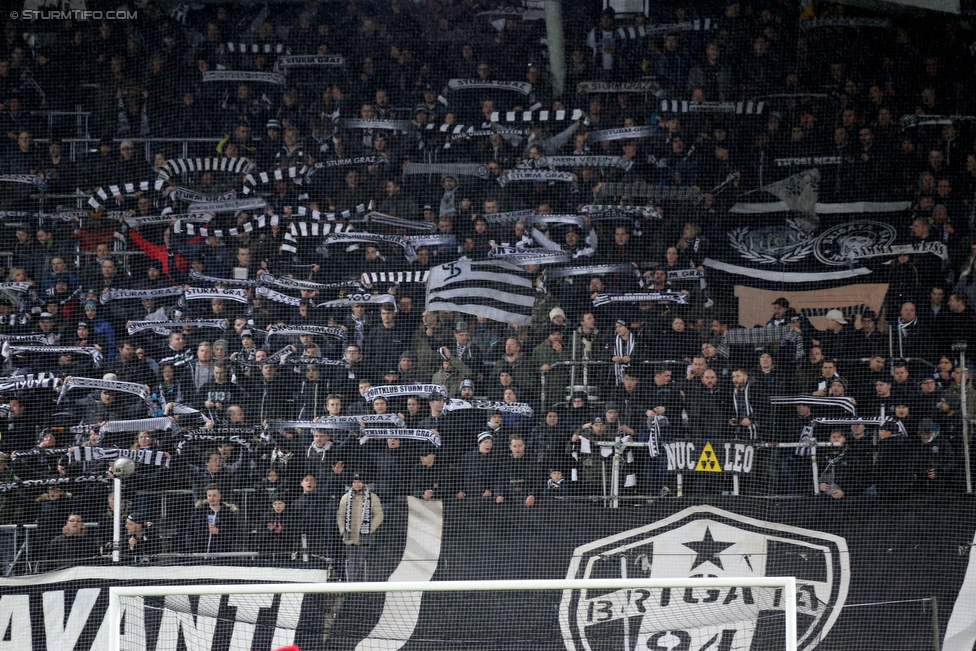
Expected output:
{"points": [[903, 327]]}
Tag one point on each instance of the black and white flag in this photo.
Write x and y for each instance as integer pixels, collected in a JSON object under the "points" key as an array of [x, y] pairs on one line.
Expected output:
{"points": [[496, 290], [799, 192]]}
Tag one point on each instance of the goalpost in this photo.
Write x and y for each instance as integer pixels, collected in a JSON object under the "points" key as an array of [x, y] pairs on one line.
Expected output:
{"points": [[623, 613]]}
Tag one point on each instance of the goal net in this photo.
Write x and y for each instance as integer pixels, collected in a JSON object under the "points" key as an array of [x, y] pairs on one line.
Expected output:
{"points": [[715, 614]]}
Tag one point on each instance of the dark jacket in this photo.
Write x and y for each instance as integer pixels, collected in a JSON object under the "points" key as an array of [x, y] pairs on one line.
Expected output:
{"points": [[70, 549], [200, 540], [477, 473], [517, 478], [939, 456], [277, 533]]}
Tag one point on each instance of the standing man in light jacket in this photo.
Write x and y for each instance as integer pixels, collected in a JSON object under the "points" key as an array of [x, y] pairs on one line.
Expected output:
{"points": [[359, 515]]}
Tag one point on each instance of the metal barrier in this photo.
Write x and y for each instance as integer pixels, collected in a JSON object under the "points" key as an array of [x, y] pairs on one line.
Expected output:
{"points": [[82, 121], [618, 448], [22, 549], [586, 364], [149, 145]]}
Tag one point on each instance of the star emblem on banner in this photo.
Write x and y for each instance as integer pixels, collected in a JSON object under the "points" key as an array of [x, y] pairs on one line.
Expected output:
{"points": [[708, 549]]}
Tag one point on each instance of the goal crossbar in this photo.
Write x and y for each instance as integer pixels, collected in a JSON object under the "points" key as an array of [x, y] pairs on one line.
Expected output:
{"points": [[788, 584]]}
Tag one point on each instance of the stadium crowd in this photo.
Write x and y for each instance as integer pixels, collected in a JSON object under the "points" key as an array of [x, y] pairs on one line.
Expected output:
{"points": [[275, 313]]}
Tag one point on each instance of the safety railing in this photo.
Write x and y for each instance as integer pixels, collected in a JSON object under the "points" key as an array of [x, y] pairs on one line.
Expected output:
{"points": [[739, 459], [82, 120], [586, 365], [20, 554]]}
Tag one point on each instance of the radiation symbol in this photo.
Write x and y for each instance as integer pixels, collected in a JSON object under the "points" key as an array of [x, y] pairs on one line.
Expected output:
{"points": [[708, 462]]}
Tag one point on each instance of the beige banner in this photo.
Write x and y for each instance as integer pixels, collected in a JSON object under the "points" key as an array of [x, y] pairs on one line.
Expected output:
{"points": [[756, 305]]}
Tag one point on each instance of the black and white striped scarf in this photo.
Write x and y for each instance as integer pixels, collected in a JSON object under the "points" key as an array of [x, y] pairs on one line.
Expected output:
{"points": [[622, 349], [642, 297], [94, 353], [139, 326], [103, 385], [289, 283], [430, 436], [399, 222], [242, 282], [490, 405], [161, 292], [83, 480], [364, 526], [278, 297], [237, 436], [329, 331], [843, 402], [197, 293], [387, 390], [137, 425], [759, 336], [746, 406], [277, 358], [146, 457], [654, 425]]}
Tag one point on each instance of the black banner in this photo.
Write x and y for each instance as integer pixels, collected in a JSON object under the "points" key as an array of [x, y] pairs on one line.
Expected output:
{"points": [[868, 573], [66, 610]]}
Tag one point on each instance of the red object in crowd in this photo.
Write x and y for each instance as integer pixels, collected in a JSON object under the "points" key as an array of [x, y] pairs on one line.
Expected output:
{"points": [[290, 647]]}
